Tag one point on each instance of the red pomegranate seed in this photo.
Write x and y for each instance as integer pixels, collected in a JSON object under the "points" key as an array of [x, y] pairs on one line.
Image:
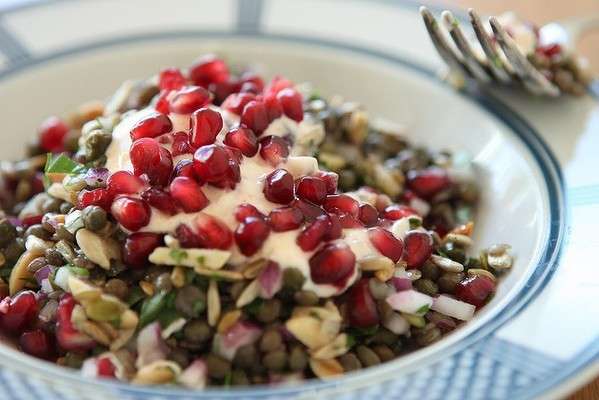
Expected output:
{"points": [[184, 168], [278, 186], [292, 104], [105, 368], [550, 50], [309, 210], [476, 290], [52, 133], [211, 163], [69, 338], [148, 157], [311, 236], [208, 69], [132, 214], [255, 117], [273, 106], [362, 310], [349, 222], [96, 197], [187, 237], [285, 219], [277, 84], [166, 139], [138, 247], [251, 234], [171, 79], [205, 125], [162, 104], [213, 233], [124, 182], [236, 102], [311, 188], [246, 210], [341, 204], [180, 144], [153, 125], [160, 200], [243, 139], [37, 343], [418, 247], [334, 264], [188, 99], [222, 90], [335, 228], [398, 211], [188, 194], [21, 312], [386, 243], [253, 78], [368, 214], [428, 182], [330, 179], [274, 150]]}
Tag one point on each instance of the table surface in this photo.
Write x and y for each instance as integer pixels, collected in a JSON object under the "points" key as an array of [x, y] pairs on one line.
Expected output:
{"points": [[541, 12]]}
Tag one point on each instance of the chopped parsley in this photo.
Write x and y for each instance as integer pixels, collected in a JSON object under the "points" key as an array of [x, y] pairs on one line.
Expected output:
{"points": [[61, 164], [423, 310], [178, 255]]}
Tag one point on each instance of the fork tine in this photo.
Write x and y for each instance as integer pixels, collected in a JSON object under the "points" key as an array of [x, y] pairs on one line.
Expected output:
{"points": [[474, 64], [531, 78], [443, 48], [496, 65]]}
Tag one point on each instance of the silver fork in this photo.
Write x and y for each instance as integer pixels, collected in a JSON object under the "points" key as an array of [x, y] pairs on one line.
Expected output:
{"points": [[492, 67]]}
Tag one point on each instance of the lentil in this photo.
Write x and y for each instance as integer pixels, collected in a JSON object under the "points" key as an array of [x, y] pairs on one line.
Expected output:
{"points": [[367, 357]]}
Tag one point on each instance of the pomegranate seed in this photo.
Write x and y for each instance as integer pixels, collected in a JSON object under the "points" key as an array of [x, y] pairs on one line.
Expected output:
{"points": [[398, 211], [188, 194], [361, 307], [67, 336], [311, 188], [52, 133], [475, 290], [180, 144], [334, 264], [211, 163], [418, 247], [21, 312], [171, 79], [285, 219], [278, 186], [162, 104], [105, 368], [277, 84], [550, 50], [189, 99], [208, 69], [253, 78], [97, 197], [341, 203], [132, 214], [166, 139], [36, 343], [153, 125], [292, 104], [428, 182], [160, 200], [330, 179], [187, 237], [309, 210], [251, 234], [311, 236], [236, 102], [274, 150], [124, 182], [213, 233], [148, 157], [138, 247], [246, 210], [184, 168], [205, 125], [243, 139], [349, 222], [335, 228], [222, 90], [255, 117], [368, 214], [386, 243], [273, 106]]}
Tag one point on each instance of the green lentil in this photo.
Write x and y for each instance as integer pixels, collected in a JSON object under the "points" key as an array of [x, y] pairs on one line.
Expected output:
{"points": [[275, 360], [163, 282], [270, 341], [8, 232], [190, 301], [293, 279], [180, 356], [426, 286], [427, 335], [298, 359], [117, 287], [454, 252], [54, 257], [246, 356], [367, 357], [197, 331], [448, 281], [65, 207], [239, 378], [384, 352], [94, 218], [269, 310], [51, 205], [217, 367], [306, 298], [350, 362], [14, 250], [38, 231], [430, 271], [383, 336], [63, 234]]}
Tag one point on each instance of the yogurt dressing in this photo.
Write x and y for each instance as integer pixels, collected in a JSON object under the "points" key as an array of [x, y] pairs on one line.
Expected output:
{"points": [[280, 247]]}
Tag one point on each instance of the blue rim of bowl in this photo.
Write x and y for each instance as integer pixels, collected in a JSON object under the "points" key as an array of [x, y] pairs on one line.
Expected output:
{"points": [[520, 127]]}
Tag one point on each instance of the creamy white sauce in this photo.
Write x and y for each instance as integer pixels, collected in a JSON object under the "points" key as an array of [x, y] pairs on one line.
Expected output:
{"points": [[280, 247]]}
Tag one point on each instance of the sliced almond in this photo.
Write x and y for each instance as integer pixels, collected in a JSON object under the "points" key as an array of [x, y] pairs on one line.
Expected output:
{"points": [[129, 319], [228, 320], [213, 299], [124, 336], [447, 264], [33, 243], [178, 277], [93, 330], [96, 248], [376, 263], [19, 274], [253, 269], [326, 368], [384, 275], [464, 229], [249, 294], [158, 372], [147, 287], [58, 190], [458, 238], [219, 274], [213, 259], [499, 262], [481, 272], [333, 349], [83, 291]]}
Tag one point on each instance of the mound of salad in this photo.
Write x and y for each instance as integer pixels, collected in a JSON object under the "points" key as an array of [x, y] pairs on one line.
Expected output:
{"points": [[205, 227]]}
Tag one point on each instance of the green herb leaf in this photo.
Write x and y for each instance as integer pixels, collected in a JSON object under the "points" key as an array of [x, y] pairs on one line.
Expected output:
{"points": [[178, 255], [167, 317], [423, 310], [415, 223], [151, 308], [169, 300], [351, 341], [314, 96], [135, 295], [198, 307], [228, 378], [254, 306], [358, 332], [61, 164], [78, 271], [201, 260]]}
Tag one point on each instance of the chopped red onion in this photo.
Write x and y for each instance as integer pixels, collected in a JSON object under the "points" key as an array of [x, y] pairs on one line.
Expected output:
{"points": [[194, 376], [270, 280], [150, 345], [241, 334], [401, 283]]}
